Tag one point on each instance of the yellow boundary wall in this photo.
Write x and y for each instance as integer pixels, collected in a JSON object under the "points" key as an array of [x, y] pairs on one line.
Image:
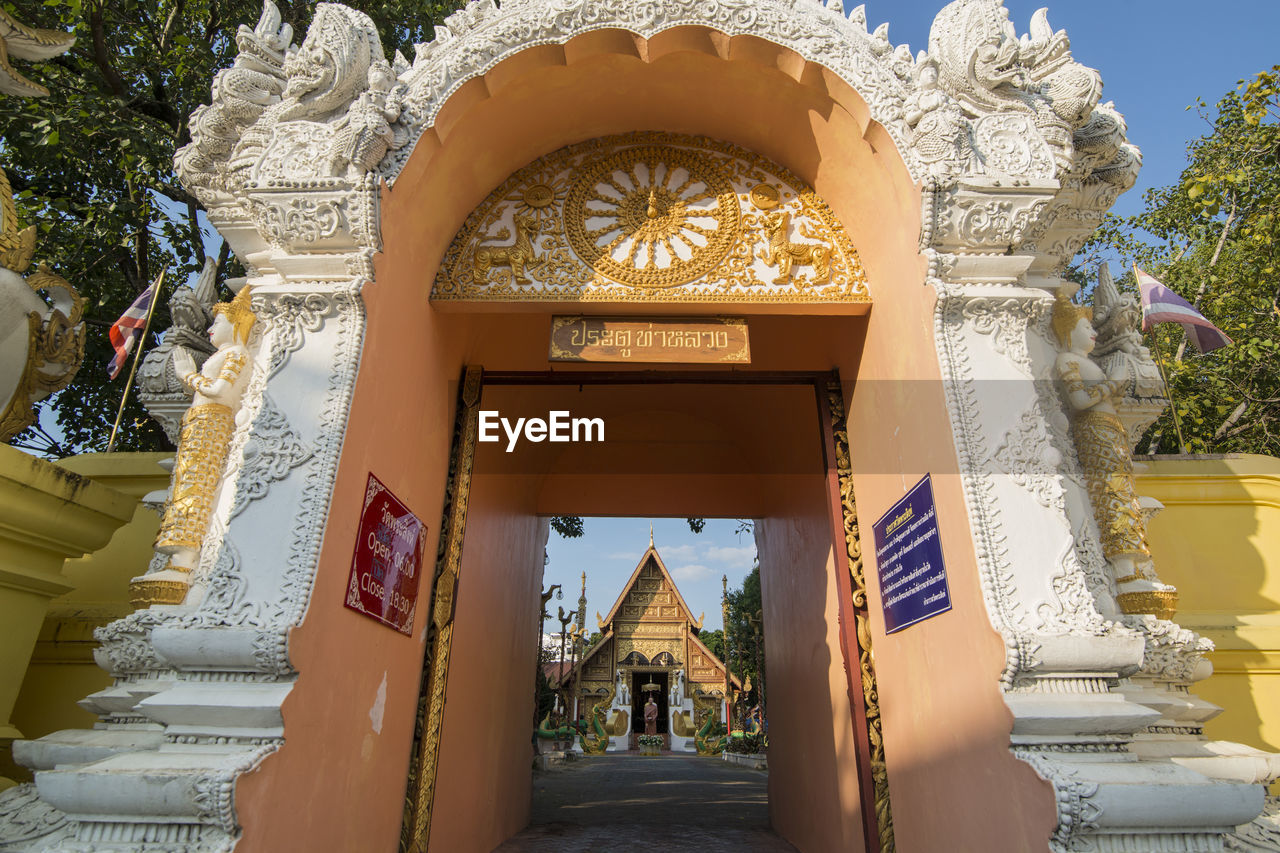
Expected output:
{"points": [[1218, 541], [62, 670]]}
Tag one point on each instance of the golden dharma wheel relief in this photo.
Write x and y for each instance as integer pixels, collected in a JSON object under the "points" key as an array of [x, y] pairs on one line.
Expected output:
{"points": [[652, 217]]}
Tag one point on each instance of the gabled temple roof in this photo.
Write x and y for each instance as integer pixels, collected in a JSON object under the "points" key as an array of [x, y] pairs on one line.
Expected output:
{"points": [[657, 559], [586, 656]]}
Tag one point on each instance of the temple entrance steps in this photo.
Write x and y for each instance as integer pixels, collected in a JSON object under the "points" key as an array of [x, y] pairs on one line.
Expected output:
{"points": [[665, 802]]}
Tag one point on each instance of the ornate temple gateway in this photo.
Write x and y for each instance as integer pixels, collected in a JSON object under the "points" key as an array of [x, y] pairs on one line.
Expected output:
{"points": [[334, 649]]}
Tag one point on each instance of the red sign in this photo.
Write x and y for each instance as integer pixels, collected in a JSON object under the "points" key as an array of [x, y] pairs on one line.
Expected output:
{"points": [[388, 560]]}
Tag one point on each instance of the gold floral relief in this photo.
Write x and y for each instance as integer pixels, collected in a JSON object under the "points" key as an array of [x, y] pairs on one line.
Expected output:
{"points": [[652, 217], [415, 827], [862, 622]]}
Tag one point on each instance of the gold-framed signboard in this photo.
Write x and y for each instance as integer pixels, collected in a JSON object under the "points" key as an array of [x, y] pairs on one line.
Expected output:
{"points": [[657, 340]]}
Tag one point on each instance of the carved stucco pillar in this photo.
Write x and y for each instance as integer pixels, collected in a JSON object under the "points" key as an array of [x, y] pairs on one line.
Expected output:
{"points": [[1048, 591], [997, 235], [199, 686]]}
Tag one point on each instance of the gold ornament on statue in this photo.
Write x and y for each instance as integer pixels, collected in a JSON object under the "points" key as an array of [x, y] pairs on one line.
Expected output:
{"points": [[240, 313], [1066, 314], [207, 430], [1102, 444], [20, 41]]}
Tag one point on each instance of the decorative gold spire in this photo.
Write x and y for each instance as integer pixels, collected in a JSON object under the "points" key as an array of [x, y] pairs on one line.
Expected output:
{"points": [[651, 534]]}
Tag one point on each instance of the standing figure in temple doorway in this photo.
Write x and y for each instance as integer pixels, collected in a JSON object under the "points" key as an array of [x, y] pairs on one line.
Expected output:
{"points": [[1102, 444], [651, 716], [207, 428]]}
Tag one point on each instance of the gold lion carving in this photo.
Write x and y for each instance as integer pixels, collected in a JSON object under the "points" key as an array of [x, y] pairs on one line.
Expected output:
{"points": [[518, 256], [785, 255]]}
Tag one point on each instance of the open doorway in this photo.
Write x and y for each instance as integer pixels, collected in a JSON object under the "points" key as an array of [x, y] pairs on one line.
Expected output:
{"points": [[653, 597], [649, 686], [727, 445]]}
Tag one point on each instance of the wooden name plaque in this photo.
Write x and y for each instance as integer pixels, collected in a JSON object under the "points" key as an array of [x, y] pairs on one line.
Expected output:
{"points": [[665, 340]]}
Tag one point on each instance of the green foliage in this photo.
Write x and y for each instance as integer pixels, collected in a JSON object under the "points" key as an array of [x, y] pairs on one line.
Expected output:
{"points": [[571, 526], [745, 744], [1214, 238], [92, 165], [568, 526], [744, 607], [714, 641], [746, 643]]}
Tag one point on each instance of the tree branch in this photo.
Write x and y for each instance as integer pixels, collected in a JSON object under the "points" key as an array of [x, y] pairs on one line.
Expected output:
{"points": [[163, 41], [1221, 431], [101, 56], [197, 239]]}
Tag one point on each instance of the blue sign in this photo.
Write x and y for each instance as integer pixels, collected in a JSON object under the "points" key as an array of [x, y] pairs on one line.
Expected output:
{"points": [[913, 580]]}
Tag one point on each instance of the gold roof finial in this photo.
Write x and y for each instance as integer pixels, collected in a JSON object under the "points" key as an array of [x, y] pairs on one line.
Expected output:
{"points": [[651, 534]]}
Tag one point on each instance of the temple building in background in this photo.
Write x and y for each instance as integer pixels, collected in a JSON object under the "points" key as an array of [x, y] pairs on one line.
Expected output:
{"points": [[649, 646]]}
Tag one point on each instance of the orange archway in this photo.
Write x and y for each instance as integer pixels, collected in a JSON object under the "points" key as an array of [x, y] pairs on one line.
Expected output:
{"points": [[946, 757]]}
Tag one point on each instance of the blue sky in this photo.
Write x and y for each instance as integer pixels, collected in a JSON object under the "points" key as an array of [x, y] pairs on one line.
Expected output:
{"points": [[1156, 57], [609, 551]]}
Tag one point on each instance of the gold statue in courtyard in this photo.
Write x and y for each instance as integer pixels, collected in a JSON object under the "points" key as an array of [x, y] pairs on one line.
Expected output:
{"points": [[207, 428], [1103, 447]]}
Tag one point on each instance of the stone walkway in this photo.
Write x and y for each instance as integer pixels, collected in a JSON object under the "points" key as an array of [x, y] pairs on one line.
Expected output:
{"points": [[620, 803]]}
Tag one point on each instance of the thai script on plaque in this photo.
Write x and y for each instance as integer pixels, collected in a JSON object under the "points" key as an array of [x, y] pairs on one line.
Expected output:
{"points": [[702, 340], [385, 567], [913, 579]]}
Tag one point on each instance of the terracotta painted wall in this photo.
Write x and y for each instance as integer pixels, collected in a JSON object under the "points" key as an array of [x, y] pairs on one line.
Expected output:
{"points": [[340, 776], [485, 752], [813, 787]]}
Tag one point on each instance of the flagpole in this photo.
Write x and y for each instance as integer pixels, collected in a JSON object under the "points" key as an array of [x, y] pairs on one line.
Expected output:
{"points": [[137, 356], [1173, 407]]}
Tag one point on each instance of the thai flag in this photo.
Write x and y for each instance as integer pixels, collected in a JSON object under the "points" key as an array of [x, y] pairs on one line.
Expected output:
{"points": [[127, 329], [1162, 305]]}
